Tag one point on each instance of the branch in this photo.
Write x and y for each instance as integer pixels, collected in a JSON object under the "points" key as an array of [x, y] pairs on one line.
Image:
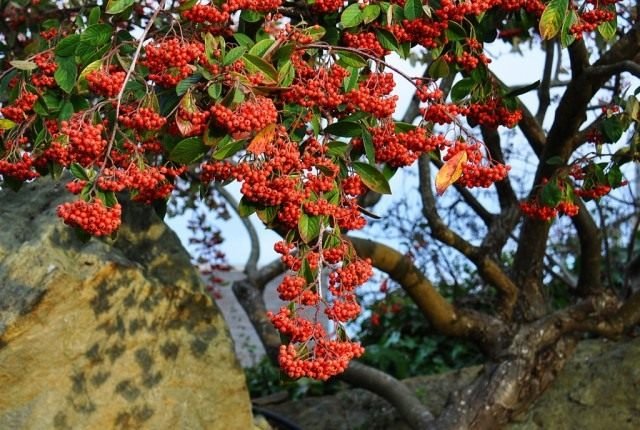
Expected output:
{"points": [[488, 269], [606, 71], [590, 245], [254, 253], [486, 331], [544, 96], [412, 411]]}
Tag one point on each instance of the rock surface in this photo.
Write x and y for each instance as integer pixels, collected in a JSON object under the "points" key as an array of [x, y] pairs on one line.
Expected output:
{"points": [[598, 390], [108, 334]]}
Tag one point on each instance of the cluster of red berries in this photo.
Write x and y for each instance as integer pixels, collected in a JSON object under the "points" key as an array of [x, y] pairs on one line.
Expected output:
{"points": [[373, 96], [365, 41], [590, 20], [192, 121], [171, 60], [20, 109], [321, 88], [251, 115], [21, 169], [46, 68], [327, 6], [474, 173], [106, 83], [141, 119], [92, 217], [86, 144]]}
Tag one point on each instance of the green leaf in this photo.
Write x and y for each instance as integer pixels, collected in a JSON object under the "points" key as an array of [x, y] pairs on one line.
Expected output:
{"points": [[233, 55], [337, 149], [94, 15], [612, 129], [215, 90], [439, 69], [566, 37], [614, 176], [246, 208], [286, 74], [455, 32], [369, 149], [260, 48], [351, 82], [556, 160], [243, 40], [78, 172], [66, 73], [551, 195], [188, 82], [67, 46], [107, 197], [256, 64], [316, 32], [403, 127], [309, 227], [250, 16], [388, 40], [228, 149], [372, 178], [370, 13], [413, 9], [461, 89], [344, 129], [6, 124], [552, 18], [188, 150], [351, 59], [97, 34], [351, 16], [268, 214], [24, 65], [114, 7], [608, 29], [66, 111]]}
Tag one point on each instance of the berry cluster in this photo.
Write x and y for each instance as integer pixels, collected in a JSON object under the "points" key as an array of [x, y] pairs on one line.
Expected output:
{"points": [[252, 115], [171, 60], [106, 83], [141, 119], [46, 68], [20, 109], [474, 173], [92, 217]]}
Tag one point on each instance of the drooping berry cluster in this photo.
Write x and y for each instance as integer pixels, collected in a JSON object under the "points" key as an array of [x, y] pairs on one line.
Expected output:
{"points": [[92, 217], [106, 83]]}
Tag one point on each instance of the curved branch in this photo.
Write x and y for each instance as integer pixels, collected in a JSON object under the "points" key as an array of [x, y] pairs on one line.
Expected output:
{"points": [[488, 332], [412, 411], [254, 253], [488, 269]]}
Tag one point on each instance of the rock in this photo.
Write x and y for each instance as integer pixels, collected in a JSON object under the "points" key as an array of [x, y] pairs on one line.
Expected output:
{"points": [[597, 390], [108, 333]]}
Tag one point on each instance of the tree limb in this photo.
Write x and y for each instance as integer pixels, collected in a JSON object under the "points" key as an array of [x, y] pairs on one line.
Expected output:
{"points": [[488, 269], [486, 331]]}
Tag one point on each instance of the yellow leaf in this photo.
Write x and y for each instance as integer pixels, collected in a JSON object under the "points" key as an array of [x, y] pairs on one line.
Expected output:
{"points": [[450, 171], [264, 137]]}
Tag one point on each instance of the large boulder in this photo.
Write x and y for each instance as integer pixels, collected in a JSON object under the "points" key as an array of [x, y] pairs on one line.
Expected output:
{"points": [[108, 333]]}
